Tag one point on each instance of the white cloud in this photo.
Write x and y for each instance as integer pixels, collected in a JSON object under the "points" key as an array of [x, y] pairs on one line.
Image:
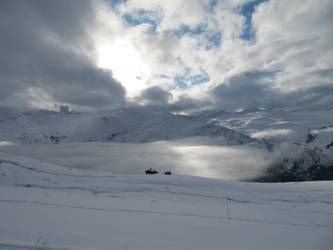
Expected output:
{"points": [[296, 36], [173, 13], [191, 38], [272, 133], [286, 42], [6, 143]]}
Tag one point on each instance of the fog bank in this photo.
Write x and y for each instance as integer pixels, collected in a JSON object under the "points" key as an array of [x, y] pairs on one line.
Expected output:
{"points": [[188, 157]]}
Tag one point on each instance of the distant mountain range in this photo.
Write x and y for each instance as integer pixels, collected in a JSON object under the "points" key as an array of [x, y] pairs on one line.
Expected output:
{"points": [[302, 141]]}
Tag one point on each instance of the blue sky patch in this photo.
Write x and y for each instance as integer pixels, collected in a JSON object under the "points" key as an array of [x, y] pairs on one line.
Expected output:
{"points": [[198, 79], [163, 76], [212, 4], [247, 11], [214, 39], [272, 74], [181, 82], [141, 16], [116, 2], [184, 29], [184, 81]]}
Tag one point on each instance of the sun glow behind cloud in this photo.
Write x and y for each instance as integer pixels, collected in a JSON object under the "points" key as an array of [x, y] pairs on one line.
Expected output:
{"points": [[126, 64], [230, 54]]}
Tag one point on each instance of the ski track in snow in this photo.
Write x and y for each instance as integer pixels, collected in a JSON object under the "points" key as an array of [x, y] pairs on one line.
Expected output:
{"points": [[151, 212], [50, 173], [22, 247]]}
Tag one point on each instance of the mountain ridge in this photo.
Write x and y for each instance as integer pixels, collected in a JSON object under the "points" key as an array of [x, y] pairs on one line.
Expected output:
{"points": [[301, 141]]}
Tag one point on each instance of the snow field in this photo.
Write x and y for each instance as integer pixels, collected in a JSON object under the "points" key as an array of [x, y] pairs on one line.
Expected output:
{"points": [[89, 209]]}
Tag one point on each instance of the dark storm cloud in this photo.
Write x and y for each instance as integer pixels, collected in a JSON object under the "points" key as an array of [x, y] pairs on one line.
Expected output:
{"points": [[157, 98], [325, 73], [255, 89], [190, 104], [320, 97], [248, 90], [155, 95], [45, 45]]}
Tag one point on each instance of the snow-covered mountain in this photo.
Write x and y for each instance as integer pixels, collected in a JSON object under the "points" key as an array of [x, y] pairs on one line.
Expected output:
{"points": [[300, 142], [125, 125], [302, 139]]}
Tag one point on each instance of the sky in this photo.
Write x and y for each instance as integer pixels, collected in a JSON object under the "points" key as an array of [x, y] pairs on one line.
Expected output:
{"points": [[181, 56]]}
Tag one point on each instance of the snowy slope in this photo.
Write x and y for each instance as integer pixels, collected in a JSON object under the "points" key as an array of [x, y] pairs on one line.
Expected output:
{"points": [[301, 140], [124, 125], [143, 125], [44, 206], [281, 125]]}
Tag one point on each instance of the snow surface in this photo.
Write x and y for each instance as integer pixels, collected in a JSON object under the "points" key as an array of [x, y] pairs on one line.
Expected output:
{"points": [[45, 206], [63, 187], [293, 126]]}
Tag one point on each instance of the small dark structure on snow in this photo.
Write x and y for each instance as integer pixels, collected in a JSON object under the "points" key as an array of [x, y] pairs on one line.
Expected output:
{"points": [[167, 173], [151, 171]]}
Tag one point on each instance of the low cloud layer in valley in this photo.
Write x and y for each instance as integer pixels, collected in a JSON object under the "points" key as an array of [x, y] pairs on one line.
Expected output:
{"points": [[189, 157]]}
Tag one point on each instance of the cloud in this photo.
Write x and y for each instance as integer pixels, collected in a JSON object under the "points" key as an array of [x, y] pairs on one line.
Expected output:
{"points": [[257, 89], [155, 96], [272, 133], [193, 156], [186, 104], [231, 54], [45, 49], [295, 37], [253, 89], [171, 14]]}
